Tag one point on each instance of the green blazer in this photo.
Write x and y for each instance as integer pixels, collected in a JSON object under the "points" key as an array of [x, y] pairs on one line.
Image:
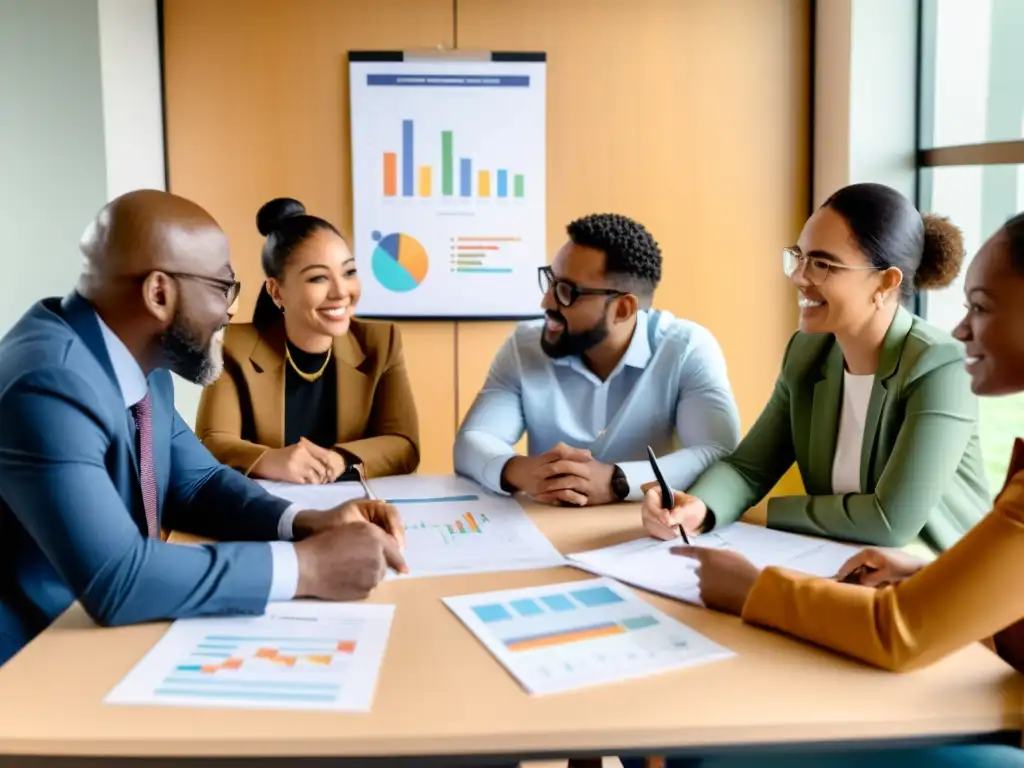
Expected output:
{"points": [[921, 465]]}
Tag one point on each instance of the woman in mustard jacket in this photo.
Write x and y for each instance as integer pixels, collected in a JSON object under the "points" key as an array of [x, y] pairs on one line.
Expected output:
{"points": [[309, 393], [872, 403], [908, 613]]}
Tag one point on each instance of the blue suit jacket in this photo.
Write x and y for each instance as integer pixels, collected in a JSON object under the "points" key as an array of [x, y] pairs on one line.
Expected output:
{"points": [[72, 523]]}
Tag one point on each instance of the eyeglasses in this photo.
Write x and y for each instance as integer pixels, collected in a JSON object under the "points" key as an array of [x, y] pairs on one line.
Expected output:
{"points": [[230, 288], [566, 292], [815, 270]]}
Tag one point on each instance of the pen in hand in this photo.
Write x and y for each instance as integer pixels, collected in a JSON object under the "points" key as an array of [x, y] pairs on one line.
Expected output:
{"points": [[667, 494]]}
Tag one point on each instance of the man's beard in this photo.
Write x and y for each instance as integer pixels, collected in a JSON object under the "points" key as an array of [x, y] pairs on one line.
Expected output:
{"points": [[186, 356], [573, 344]]}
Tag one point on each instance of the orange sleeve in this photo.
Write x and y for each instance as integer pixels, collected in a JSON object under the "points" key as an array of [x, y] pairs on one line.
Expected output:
{"points": [[219, 422], [967, 594]]}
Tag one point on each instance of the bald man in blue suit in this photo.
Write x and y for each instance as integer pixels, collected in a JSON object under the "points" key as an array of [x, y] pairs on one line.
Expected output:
{"points": [[94, 460]]}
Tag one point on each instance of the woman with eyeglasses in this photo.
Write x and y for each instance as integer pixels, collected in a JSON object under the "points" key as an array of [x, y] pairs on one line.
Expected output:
{"points": [[310, 394], [872, 404]]}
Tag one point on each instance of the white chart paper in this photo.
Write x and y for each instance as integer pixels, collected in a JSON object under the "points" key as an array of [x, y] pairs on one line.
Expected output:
{"points": [[298, 655], [566, 636], [648, 563], [448, 179], [452, 525]]}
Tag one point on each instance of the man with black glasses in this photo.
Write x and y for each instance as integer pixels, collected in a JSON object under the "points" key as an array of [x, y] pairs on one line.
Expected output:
{"points": [[598, 380]]}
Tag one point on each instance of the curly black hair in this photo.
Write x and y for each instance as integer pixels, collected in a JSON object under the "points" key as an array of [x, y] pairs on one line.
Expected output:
{"points": [[632, 255]]}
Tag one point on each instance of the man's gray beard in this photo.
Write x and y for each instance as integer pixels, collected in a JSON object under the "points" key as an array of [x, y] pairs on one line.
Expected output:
{"points": [[185, 356]]}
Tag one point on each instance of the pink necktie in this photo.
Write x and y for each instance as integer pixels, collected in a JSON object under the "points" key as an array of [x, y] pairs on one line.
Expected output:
{"points": [[142, 413]]}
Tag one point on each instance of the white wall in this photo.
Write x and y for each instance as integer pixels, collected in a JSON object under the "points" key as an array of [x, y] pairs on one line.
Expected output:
{"points": [[133, 117], [865, 99]]}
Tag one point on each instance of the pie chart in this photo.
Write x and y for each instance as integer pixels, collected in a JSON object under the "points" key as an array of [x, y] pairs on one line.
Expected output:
{"points": [[399, 261]]}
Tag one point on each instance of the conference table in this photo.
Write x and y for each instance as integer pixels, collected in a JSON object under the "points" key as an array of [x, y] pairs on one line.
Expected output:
{"points": [[442, 699]]}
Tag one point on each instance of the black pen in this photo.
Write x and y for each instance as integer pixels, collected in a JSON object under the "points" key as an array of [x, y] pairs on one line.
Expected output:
{"points": [[667, 496]]}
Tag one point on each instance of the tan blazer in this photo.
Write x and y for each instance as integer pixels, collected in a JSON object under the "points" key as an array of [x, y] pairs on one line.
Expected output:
{"points": [[241, 415]]}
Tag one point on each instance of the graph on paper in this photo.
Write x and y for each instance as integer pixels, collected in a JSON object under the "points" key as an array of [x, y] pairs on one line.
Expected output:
{"points": [[566, 636], [449, 185], [296, 656], [488, 534]]}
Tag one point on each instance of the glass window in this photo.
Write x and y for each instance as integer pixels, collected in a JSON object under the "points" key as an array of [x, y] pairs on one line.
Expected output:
{"points": [[972, 73], [978, 199]]}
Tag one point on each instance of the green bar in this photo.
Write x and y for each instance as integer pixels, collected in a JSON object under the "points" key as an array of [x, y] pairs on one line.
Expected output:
{"points": [[447, 169], [468, 263], [468, 255], [519, 185]]}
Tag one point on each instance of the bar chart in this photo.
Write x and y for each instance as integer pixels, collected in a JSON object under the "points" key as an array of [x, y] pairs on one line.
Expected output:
{"points": [[292, 657], [419, 180], [449, 156], [565, 636], [467, 524]]}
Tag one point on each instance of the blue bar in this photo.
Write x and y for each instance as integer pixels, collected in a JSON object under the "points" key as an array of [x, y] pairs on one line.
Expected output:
{"points": [[435, 500], [489, 614], [558, 603], [250, 695], [254, 639], [640, 622], [503, 270], [212, 654], [526, 607], [465, 177], [502, 183], [407, 158], [220, 681], [189, 667], [215, 647], [557, 633], [452, 81], [596, 596]]}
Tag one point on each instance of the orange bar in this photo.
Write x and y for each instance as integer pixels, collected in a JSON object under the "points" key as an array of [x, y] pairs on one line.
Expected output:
{"points": [[288, 661], [472, 522], [209, 669], [347, 646], [425, 181], [231, 664], [483, 183], [390, 174], [319, 659], [266, 653], [568, 637], [478, 247]]}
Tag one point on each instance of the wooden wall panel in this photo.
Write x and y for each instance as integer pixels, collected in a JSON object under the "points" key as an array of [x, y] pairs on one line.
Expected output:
{"points": [[691, 117], [257, 107]]}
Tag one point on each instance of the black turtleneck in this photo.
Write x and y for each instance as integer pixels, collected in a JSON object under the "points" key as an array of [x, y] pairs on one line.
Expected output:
{"points": [[310, 407]]}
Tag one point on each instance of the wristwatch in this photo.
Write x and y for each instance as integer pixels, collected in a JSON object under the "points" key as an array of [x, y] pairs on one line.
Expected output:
{"points": [[620, 485]]}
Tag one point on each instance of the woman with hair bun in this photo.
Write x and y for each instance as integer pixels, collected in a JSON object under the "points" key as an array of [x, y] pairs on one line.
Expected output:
{"points": [[873, 404], [310, 394]]}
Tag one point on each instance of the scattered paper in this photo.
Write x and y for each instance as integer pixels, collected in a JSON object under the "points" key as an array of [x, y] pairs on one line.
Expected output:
{"points": [[648, 563], [452, 525], [298, 655], [565, 636]]}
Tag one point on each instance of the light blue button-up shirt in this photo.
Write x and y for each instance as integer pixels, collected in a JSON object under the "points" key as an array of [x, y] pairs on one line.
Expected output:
{"points": [[670, 391], [132, 382]]}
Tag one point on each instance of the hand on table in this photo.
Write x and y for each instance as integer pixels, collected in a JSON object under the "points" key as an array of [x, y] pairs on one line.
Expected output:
{"points": [[563, 475], [878, 567], [689, 511], [304, 462], [725, 577]]}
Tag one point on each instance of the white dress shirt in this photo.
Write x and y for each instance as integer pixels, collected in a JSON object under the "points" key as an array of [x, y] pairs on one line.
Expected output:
{"points": [[132, 382], [670, 391]]}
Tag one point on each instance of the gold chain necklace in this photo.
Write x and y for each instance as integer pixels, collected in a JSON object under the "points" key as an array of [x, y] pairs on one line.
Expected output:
{"points": [[307, 376]]}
